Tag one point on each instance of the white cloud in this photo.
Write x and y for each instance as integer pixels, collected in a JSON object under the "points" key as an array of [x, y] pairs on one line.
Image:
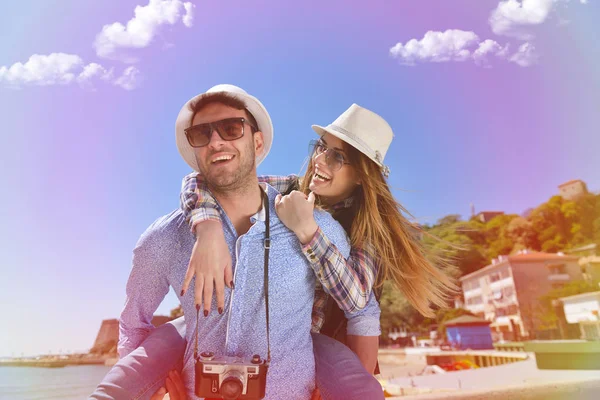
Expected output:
{"points": [[142, 28], [525, 56], [457, 45], [130, 79], [489, 47], [451, 45], [511, 16], [52, 69], [188, 18], [63, 69], [94, 70], [515, 17]]}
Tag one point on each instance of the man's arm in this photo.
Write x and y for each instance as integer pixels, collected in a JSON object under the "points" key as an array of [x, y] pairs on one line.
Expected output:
{"points": [[146, 288]]}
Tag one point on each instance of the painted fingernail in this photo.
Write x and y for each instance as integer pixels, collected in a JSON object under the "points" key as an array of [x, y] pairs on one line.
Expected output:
{"points": [[182, 292], [206, 313], [197, 307], [220, 310], [231, 284]]}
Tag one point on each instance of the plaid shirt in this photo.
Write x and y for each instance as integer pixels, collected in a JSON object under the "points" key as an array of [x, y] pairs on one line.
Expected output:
{"points": [[348, 282]]}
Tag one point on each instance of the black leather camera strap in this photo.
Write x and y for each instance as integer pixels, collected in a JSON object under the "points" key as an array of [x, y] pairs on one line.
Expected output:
{"points": [[267, 245]]}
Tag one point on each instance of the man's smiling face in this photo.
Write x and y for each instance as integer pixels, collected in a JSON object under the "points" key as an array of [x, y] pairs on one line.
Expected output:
{"points": [[227, 164]]}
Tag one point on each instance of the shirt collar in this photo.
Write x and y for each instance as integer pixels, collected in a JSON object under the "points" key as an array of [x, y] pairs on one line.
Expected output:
{"points": [[261, 215], [347, 203]]}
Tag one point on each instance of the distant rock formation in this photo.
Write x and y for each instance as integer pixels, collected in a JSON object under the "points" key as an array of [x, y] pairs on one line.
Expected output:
{"points": [[108, 335]]}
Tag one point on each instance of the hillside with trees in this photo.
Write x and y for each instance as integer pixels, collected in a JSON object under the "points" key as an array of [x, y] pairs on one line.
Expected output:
{"points": [[557, 225]]}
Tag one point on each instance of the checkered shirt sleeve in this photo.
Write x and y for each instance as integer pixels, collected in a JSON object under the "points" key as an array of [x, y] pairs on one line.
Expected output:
{"points": [[349, 282], [198, 204]]}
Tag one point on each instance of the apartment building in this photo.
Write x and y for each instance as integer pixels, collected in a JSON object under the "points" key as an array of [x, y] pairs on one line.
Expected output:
{"points": [[507, 291]]}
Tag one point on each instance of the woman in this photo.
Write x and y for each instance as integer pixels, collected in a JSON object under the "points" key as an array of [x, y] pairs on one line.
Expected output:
{"points": [[345, 176]]}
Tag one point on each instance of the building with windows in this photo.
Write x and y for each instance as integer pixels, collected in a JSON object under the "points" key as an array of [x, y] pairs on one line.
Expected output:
{"points": [[584, 309], [573, 189], [507, 292]]}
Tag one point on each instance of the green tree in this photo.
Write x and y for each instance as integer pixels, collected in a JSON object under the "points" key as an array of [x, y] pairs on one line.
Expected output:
{"points": [[551, 226], [396, 311], [547, 315], [520, 231], [456, 241], [177, 312], [497, 236]]}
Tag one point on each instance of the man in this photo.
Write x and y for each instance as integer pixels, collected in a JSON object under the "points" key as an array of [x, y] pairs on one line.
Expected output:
{"points": [[224, 134]]}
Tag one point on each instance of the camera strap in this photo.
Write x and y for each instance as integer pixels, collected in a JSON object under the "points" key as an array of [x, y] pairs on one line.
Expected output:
{"points": [[267, 247]]}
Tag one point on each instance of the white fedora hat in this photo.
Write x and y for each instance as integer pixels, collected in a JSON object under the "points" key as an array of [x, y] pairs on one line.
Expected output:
{"points": [[254, 107], [364, 130]]}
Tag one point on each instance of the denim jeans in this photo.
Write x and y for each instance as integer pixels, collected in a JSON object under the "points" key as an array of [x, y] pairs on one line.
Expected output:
{"points": [[340, 374], [143, 371]]}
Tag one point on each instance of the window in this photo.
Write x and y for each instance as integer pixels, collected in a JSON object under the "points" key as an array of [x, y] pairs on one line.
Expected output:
{"points": [[499, 275], [470, 285], [474, 300]]}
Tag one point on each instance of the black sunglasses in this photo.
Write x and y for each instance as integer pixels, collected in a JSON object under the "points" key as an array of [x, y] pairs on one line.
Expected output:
{"points": [[228, 129], [333, 158]]}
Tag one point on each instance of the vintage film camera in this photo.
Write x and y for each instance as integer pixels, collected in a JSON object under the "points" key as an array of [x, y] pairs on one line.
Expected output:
{"points": [[230, 377]]}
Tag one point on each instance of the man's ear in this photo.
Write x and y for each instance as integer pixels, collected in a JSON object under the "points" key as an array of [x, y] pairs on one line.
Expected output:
{"points": [[259, 143]]}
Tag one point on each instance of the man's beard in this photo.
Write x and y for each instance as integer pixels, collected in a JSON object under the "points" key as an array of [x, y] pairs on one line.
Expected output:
{"points": [[226, 182]]}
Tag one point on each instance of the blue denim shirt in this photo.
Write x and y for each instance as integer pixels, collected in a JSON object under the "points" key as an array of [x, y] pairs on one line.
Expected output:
{"points": [[160, 260]]}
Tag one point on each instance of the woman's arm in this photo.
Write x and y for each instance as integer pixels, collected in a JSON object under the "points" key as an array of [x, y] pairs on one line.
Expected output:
{"points": [[318, 312], [280, 183], [349, 282], [211, 260], [198, 203]]}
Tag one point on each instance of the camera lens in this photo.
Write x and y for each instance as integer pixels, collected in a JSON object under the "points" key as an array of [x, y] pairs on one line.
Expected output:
{"points": [[232, 386]]}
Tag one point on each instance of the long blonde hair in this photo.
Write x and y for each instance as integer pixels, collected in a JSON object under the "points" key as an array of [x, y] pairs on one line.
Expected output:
{"points": [[375, 224]]}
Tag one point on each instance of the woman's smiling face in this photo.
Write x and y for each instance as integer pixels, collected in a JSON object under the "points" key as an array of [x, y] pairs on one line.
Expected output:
{"points": [[332, 185]]}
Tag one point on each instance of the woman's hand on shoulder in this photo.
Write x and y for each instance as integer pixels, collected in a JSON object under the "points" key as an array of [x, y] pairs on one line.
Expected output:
{"points": [[295, 210], [211, 264]]}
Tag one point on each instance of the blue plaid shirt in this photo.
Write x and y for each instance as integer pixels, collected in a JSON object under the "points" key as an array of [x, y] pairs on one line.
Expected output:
{"points": [[160, 260]]}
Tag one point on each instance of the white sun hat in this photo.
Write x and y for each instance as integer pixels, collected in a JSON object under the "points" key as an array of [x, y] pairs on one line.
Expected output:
{"points": [[364, 130], [254, 107]]}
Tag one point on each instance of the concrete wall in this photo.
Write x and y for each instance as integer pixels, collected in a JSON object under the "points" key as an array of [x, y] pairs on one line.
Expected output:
{"points": [[585, 390]]}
